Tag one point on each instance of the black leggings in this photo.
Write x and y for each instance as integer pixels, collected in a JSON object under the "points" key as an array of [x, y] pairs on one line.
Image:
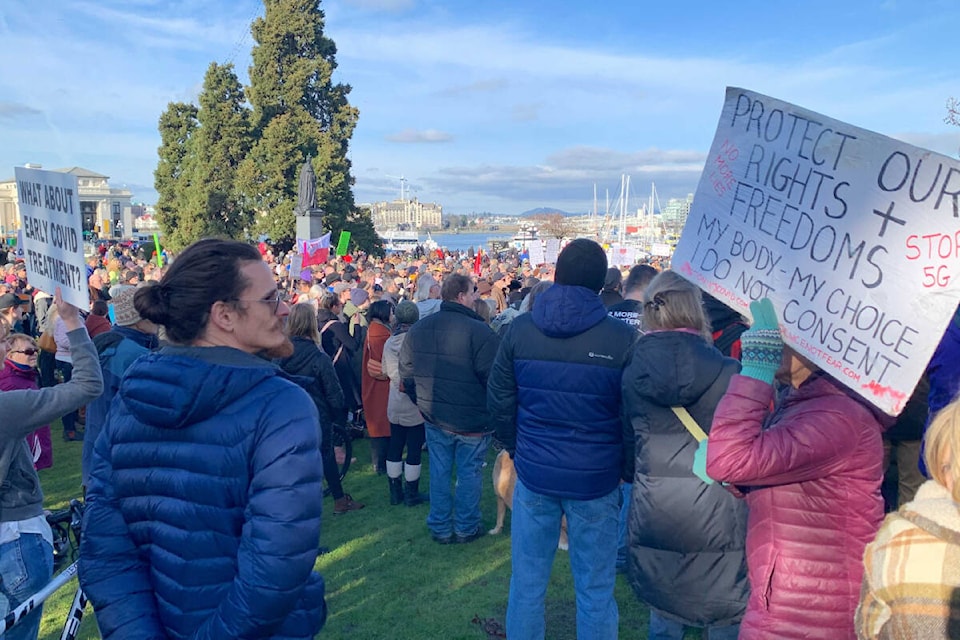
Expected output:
{"points": [[331, 472], [411, 437]]}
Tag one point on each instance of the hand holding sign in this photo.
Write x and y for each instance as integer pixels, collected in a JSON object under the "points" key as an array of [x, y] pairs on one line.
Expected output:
{"points": [[68, 313], [761, 345]]}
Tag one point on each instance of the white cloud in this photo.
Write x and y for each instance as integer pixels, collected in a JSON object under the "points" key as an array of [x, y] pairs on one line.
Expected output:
{"points": [[14, 110], [413, 136]]}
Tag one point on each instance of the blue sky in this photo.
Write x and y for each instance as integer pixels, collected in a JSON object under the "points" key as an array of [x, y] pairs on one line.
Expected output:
{"points": [[497, 106]]}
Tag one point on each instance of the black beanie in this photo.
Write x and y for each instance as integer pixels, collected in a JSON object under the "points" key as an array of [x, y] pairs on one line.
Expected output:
{"points": [[582, 263]]}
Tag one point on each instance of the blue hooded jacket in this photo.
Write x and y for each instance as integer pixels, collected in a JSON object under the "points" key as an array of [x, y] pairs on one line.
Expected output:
{"points": [[203, 508], [554, 394]]}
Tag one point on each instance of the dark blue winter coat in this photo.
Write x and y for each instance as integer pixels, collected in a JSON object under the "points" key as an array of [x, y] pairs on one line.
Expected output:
{"points": [[203, 509], [554, 394]]}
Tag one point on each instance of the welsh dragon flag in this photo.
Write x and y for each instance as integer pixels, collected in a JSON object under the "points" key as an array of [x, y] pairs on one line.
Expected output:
{"points": [[315, 251]]}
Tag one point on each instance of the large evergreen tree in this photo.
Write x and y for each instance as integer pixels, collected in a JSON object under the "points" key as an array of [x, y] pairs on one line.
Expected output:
{"points": [[177, 125], [215, 151], [298, 111], [225, 169]]}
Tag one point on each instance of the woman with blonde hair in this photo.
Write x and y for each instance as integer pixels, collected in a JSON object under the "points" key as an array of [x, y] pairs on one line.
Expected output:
{"points": [[310, 362], [912, 568], [685, 548]]}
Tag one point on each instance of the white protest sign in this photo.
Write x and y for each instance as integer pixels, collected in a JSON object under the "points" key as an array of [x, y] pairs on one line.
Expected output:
{"points": [[551, 250], [52, 233], [660, 249], [535, 251], [854, 236], [621, 255], [296, 266]]}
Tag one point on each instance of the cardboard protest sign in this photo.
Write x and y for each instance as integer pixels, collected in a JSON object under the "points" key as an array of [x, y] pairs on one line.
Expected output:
{"points": [[660, 249], [537, 255], [854, 236], [551, 250], [621, 255], [52, 233]]}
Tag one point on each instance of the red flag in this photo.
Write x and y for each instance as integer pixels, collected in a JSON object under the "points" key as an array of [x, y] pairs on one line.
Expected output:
{"points": [[315, 251], [477, 262]]}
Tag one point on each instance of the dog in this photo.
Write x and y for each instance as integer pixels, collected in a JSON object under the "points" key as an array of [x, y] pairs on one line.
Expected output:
{"points": [[504, 480]]}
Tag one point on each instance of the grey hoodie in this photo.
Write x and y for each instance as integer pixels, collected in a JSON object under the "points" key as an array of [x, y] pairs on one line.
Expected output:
{"points": [[24, 411]]}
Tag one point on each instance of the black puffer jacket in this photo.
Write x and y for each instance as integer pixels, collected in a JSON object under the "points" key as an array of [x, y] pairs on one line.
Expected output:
{"points": [[447, 358], [687, 539], [313, 370]]}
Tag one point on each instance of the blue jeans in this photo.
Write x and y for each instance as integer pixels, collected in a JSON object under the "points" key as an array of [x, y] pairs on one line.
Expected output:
{"points": [[468, 453], [662, 628], [26, 565], [534, 533]]}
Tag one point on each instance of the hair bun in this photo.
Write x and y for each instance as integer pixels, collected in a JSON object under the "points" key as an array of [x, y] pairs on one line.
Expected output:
{"points": [[152, 301]]}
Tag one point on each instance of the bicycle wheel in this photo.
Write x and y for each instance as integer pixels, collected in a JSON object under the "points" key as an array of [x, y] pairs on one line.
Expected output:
{"points": [[342, 449]]}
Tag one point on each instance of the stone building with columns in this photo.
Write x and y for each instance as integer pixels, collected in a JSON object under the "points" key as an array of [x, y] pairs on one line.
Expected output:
{"points": [[404, 213], [106, 211]]}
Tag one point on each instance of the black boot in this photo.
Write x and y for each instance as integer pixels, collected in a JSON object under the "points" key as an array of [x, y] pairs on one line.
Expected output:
{"points": [[396, 490], [411, 493], [378, 454]]}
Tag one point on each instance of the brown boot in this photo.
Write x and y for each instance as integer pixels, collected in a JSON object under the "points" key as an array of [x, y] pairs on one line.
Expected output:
{"points": [[344, 504]]}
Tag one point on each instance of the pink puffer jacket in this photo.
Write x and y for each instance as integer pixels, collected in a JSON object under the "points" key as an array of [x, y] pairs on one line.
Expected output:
{"points": [[812, 476]]}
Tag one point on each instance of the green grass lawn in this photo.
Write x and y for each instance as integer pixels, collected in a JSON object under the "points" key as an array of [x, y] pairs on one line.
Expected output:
{"points": [[385, 577]]}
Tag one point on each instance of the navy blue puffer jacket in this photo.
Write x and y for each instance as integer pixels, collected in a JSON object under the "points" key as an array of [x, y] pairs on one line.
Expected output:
{"points": [[203, 510], [554, 394]]}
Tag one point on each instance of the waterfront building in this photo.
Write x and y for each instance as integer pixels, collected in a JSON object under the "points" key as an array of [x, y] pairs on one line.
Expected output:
{"points": [[675, 212], [406, 214], [106, 211]]}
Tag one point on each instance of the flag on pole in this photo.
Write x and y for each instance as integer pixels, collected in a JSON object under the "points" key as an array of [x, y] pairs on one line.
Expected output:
{"points": [[342, 243], [315, 251]]}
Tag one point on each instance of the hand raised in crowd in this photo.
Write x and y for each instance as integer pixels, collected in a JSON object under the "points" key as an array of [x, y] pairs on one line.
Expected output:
{"points": [[762, 346], [68, 313]]}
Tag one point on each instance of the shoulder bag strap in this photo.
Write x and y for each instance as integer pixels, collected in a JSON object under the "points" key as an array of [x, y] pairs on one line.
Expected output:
{"points": [[690, 423]]}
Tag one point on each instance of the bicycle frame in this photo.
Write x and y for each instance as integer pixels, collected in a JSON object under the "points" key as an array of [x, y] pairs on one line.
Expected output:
{"points": [[72, 624]]}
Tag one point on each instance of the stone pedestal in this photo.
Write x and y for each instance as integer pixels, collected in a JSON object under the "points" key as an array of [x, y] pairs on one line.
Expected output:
{"points": [[310, 224]]}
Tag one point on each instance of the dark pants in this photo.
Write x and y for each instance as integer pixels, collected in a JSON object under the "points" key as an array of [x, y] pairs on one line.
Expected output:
{"points": [[331, 472], [410, 437], [70, 419], [47, 364]]}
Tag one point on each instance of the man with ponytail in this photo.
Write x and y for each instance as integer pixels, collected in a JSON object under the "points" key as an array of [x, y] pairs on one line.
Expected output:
{"points": [[204, 495]]}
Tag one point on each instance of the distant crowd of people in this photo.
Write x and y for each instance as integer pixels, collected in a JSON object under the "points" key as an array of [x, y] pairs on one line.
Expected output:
{"points": [[738, 486]]}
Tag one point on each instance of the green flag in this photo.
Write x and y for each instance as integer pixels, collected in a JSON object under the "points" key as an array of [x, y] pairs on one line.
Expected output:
{"points": [[342, 243], [156, 244]]}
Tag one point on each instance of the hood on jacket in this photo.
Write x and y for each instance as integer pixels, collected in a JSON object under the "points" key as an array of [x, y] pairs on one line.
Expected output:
{"points": [[303, 351], [180, 386], [718, 314], [564, 310], [673, 368]]}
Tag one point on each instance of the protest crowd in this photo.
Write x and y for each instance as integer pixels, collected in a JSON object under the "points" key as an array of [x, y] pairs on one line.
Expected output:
{"points": [[738, 487]]}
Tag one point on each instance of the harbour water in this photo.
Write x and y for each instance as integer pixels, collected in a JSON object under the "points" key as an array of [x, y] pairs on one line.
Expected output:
{"points": [[463, 241]]}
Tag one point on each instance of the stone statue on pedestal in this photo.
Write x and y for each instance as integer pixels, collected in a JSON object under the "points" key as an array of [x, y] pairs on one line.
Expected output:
{"points": [[307, 191]]}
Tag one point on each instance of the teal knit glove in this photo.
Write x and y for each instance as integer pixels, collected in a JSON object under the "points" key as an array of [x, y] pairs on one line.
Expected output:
{"points": [[761, 347]]}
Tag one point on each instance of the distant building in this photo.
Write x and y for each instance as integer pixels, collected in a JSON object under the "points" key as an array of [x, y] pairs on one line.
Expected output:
{"points": [[406, 214], [674, 214], [106, 212]]}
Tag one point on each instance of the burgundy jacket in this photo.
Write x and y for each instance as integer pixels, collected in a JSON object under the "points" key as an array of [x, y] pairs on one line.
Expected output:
{"points": [[97, 325], [12, 379], [812, 473]]}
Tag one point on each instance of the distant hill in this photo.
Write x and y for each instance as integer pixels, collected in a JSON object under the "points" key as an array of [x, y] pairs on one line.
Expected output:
{"points": [[539, 211]]}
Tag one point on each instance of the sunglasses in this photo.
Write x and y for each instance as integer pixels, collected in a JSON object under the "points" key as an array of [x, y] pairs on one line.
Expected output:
{"points": [[27, 352], [272, 300]]}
